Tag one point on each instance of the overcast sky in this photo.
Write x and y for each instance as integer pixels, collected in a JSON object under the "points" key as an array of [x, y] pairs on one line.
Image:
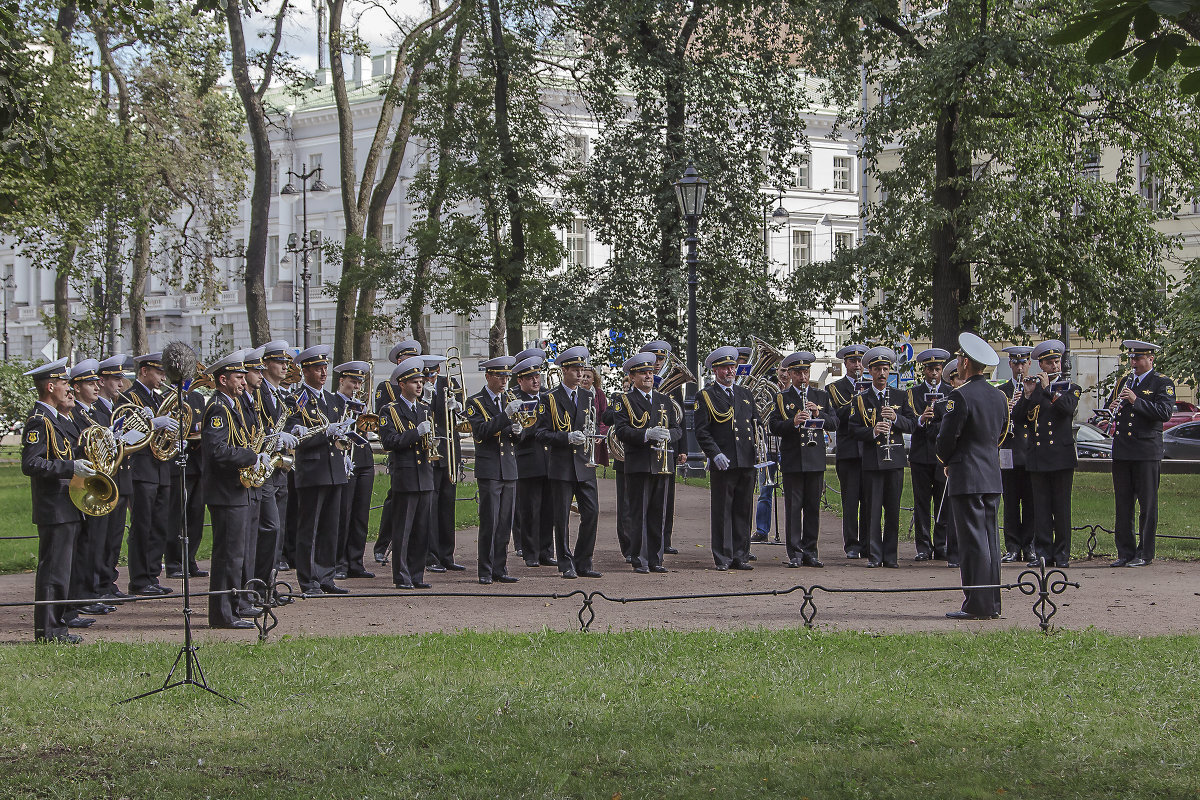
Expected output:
{"points": [[300, 30]]}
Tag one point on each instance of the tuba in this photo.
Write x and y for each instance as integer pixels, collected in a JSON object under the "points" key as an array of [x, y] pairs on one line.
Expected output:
{"points": [[763, 361], [96, 495]]}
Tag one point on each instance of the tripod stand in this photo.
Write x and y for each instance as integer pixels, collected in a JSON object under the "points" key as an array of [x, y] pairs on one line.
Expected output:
{"points": [[193, 672]]}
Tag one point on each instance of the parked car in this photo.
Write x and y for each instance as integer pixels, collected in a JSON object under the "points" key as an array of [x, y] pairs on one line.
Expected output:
{"points": [[1091, 442], [1182, 441]]}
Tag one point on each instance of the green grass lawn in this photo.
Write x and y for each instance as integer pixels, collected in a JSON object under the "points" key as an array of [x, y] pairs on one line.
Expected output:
{"points": [[790, 714], [16, 556]]}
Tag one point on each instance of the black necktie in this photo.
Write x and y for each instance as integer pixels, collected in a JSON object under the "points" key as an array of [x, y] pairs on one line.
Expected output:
{"points": [[573, 402]]}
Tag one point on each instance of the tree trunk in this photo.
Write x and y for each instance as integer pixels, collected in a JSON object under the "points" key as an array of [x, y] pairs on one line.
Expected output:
{"points": [[62, 306], [666, 316], [140, 271], [260, 195], [496, 334], [951, 289]]}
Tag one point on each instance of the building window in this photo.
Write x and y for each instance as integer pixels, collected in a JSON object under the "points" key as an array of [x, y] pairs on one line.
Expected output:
{"points": [[802, 179], [1025, 311], [843, 174], [1149, 185], [841, 334], [272, 276], [385, 237], [576, 243], [314, 161], [576, 151], [462, 334], [801, 249], [1091, 166], [314, 331], [274, 177], [843, 241]]}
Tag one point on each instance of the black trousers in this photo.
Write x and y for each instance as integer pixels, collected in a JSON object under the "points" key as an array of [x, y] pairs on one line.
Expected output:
{"points": [[194, 512], [87, 565], [646, 500], [56, 550], [243, 603], [584, 494], [272, 512], [496, 500], [979, 550], [147, 533], [881, 506], [318, 509], [230, 528], [410, 536], [441, 509], [290, 521], [802, 504], [849, 473], [356, 518], [1136, 481], [669, 510], [533, 531], [730, 514], [1018, 510], [625, 531], [929, 485], [383, 541], [116, 521], [1052, 514]]}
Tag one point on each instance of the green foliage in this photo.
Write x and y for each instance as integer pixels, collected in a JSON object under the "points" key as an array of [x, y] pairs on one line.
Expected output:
{"points": [[1157, 41], [1181, 357], [16, 394], [788, 713], [984, 138]]}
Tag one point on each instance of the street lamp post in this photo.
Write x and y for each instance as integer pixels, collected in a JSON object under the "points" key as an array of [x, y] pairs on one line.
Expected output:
{"points": [[690, 191], [9, 285], [308, 240]]}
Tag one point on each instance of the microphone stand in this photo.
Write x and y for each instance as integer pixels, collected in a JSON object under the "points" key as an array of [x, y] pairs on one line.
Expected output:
{"points": [[193, 672]]}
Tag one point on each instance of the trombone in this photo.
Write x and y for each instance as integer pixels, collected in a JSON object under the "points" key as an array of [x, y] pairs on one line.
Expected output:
{"points": [[450, 424]]}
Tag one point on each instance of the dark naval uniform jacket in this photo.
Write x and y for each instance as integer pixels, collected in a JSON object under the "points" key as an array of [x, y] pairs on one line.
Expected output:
{"points": [[146, 467], [533, 454], [318, 461], [924, 440], [1049, 420], [841, 401], [1137, 428], [968, 437], [495, 443], [408, 461], [865, 413], [556, 418], [124, 477], [632, 414], [1016, 437], [225, 438], [361, 458], [49, 445], [725, 426], [274, 407], [795, 454]]}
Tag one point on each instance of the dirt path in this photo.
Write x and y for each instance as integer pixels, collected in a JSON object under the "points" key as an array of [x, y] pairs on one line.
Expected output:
{"points": [[1161, 598]]}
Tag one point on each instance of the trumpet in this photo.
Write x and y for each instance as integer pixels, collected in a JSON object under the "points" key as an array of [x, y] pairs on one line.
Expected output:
{"points": [[527, 419], [589, 431], [662, 451]]}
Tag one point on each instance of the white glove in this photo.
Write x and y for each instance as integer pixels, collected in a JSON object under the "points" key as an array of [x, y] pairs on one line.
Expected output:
{"points": [[576, 437], [512, 408], [263, 461], [427, 393], [424, 427], [657, 434], [287, 441], [278, 447], [84, 468], [349, 463], [338, 429], [146, 412], [165, 422], [299, 430], [721, 462], [454, 405], [516, 429]]}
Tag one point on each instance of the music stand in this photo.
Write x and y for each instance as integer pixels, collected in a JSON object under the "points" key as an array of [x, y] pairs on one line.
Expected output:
{"points": [[193, 672]]}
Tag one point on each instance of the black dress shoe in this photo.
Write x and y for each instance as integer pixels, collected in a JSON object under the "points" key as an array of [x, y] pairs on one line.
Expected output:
{"points": [[249, 611], [163, 589], [1121, 562], [758, 537], [283, 566], [1135, 562], [506, 579], [333, 588], [153, 590], [485, 581], [1008, 558], [174, 573], [590, 573], [740, 565], [854, 554], [237, 624], [339, 575], [403, 585], [532, 564], [313, 591], [671, 551], [423, 585], [198, 573], [891, 565], [1035, 563], [812, 561], [923, 557], [658, 568], [874, 564], [645, 570], [434, 568], [952, 564], [570, 574], [752, 557], [95, 608], [793, 564], [520, 553], [455, 567], [628, 559], [81, 622], [362, 573], [548, 562], [1066, 564], [968, 615], [67, 638], [115, 594], [721, 567]]}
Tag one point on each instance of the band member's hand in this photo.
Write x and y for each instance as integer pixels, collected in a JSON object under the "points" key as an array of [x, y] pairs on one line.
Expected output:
{"points": [[721, 461], [798, 420], [946, 471], [888, 413], [576, 438], [146, 412], [338, 429], [657, 434], [83, 468], [287, 440], [299, 430], [424, 427], [263, 461], [516, 429], [512, 408], [1127, 395], [1044, 378], [927, 414], [883, 428], [1027, 387], [165, 422], [453, 405], [427, 393], [682, 459]]}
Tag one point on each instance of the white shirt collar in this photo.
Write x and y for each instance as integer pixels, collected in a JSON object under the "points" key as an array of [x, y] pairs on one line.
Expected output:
{"points": [[53, 411], [107, 403]]}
